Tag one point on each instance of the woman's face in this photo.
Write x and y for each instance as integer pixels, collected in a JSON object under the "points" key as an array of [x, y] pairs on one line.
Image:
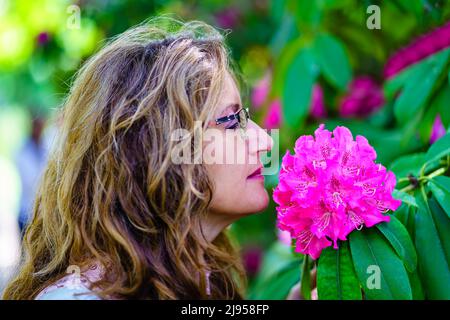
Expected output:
{"points": [[237, 171]]}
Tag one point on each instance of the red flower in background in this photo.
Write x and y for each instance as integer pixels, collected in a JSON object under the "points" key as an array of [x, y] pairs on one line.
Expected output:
{"points": [[317, 108], [273, 118], [252, 257], [438, 129], [365, 96], [421, 48], [228, 18], [261, 91]]}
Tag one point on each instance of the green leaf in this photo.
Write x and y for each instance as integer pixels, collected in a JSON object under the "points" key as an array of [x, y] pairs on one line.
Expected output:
{"points": [[336, 278], [402, 213], [440, 187], [305, 284], [333, 60], [308, 13], [416, 285], [298, 84], [277, 9], [442, 104], [432, 260], [442, 223], [404, 197], [370, 251], [419, 86], [277, 257], [398, 236], [406, 215], [409, 164], [394, 84], [277, 287], [438, 149], [415, 6], [285, 33]]}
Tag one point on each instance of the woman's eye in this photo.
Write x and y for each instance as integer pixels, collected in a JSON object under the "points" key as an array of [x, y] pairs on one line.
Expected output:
{"points": [[233, 126]]}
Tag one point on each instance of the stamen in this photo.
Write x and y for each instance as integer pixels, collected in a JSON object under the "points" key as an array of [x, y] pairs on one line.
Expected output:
{"points": [[352, 171], [308, 172], [338, 199], [382, 207], [368, 190], [345, 158], [305, 237], [323, 221], [322, 164], [302, 187], [326, 150], [357, 221]]}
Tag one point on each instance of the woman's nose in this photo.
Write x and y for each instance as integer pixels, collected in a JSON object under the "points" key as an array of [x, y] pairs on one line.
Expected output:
{"points": [[260, 140]]}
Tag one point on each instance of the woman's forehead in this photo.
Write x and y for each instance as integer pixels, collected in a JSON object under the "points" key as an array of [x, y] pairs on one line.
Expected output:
{"points": [[230, 100]]}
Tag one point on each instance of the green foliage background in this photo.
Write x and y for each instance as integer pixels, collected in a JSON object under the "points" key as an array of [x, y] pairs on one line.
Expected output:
{"points": [[301, 43]]}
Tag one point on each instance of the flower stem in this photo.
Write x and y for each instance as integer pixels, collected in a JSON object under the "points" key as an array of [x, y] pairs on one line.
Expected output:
{"points": [[436, 173], [422, 177]]}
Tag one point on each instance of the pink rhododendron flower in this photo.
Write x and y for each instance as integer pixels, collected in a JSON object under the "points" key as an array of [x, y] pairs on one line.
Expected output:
{"points": [[365, 97], [260, 92], [274, 115], [330, 187], [317, 103], [419, 49], [438, 129]]}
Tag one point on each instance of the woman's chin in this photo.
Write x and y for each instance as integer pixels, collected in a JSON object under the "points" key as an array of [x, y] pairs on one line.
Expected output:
{"points": [[260, 201]]}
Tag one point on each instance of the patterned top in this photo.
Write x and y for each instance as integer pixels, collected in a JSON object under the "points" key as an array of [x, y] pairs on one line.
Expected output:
{"points": [[76, 285], [70, 286]]}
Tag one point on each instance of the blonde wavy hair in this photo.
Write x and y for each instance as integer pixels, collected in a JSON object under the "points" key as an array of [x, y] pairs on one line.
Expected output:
{"points": [[110, 192]]}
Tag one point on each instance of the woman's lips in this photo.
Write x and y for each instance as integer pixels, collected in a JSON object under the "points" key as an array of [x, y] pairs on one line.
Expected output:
{"points": [[257, 174]]}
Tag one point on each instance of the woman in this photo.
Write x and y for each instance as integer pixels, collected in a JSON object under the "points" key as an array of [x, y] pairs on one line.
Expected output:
{"points": [[114, 207]]}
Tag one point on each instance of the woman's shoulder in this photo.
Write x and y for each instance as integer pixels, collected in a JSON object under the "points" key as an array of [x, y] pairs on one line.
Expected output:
{"points": [[74, 286], [65, 293]]}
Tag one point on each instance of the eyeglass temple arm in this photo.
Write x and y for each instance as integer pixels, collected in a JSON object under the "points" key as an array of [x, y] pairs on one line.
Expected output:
{"points": [[227, 118], [232, 117]]}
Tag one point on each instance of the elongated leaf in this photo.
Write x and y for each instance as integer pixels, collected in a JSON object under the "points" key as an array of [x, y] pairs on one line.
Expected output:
{"points": [[402, 213], [407, 218], [287, 31], [405, 197], [277, 257], [432, 262], [278, 285], [394, 84], [438, 149], [442, 105], [409, 164], [440, 186], [336, 278], [305, 284], [416, 285], [398, 236], [376, 263], [297, 87], [419, 86], [442, 223], [333, 60]]}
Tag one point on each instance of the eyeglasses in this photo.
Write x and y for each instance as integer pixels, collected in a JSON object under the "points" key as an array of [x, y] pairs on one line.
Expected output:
{"points": [[242, 116]]}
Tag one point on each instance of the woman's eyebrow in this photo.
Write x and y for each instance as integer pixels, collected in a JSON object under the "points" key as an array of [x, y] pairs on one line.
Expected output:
{"points": [[232, 108]]}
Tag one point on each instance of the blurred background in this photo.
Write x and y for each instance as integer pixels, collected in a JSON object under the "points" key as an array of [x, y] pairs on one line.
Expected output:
{"points": [[381, 68]]}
